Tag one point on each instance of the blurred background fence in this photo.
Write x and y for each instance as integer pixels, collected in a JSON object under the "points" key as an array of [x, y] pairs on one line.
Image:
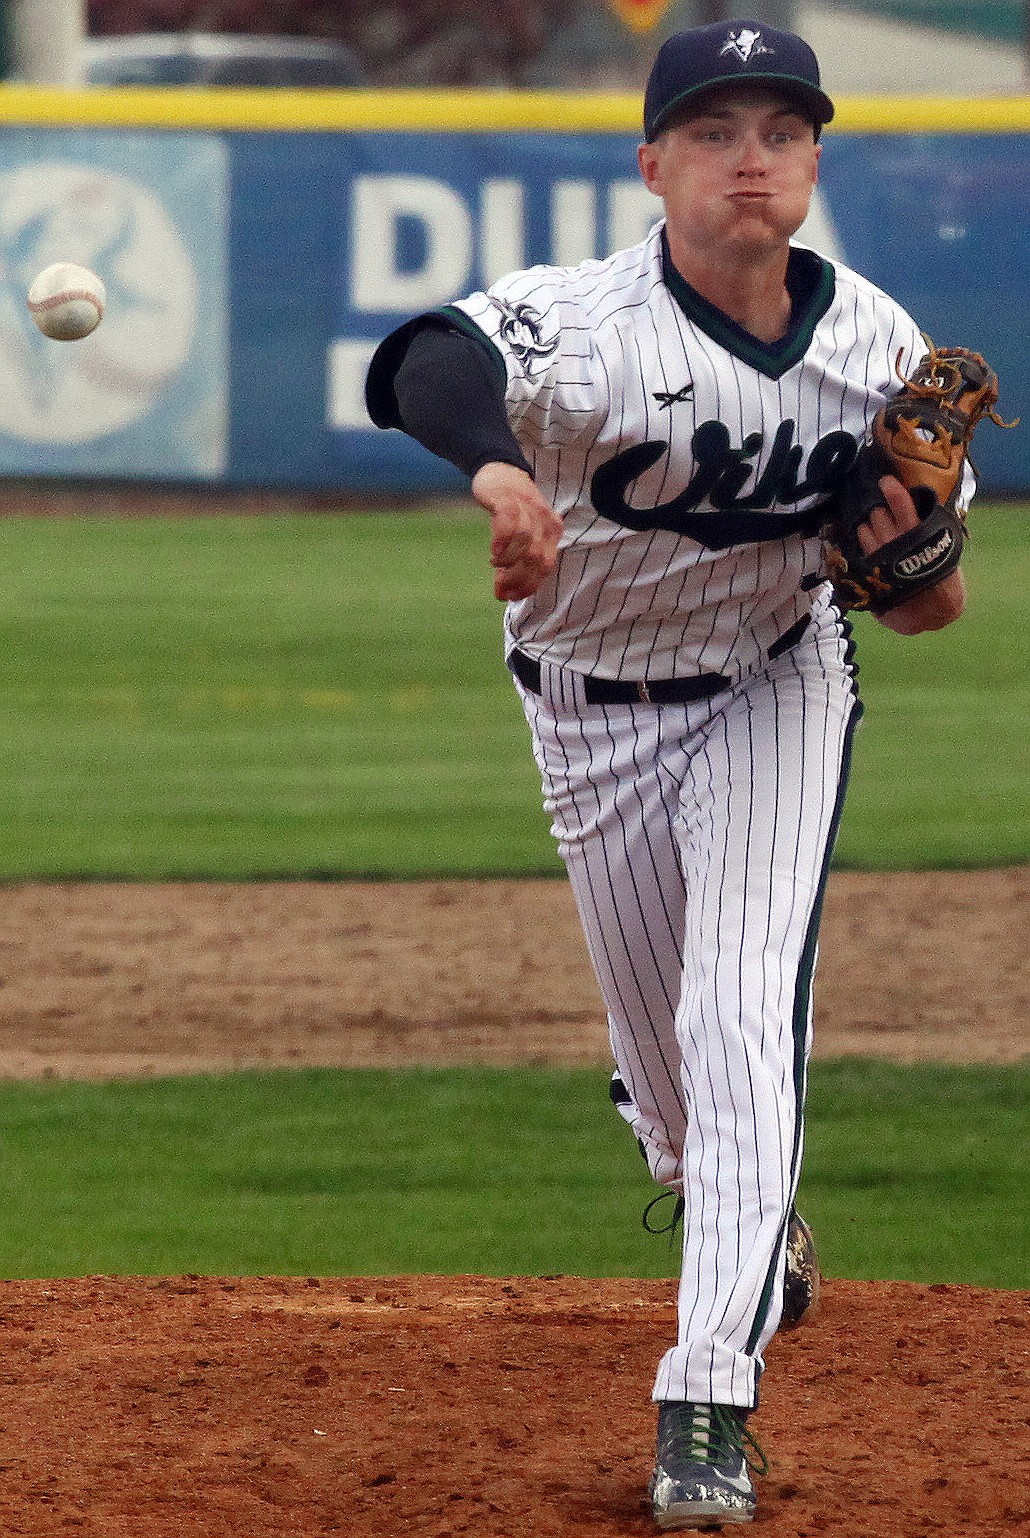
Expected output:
{"points": [[256, 243]]}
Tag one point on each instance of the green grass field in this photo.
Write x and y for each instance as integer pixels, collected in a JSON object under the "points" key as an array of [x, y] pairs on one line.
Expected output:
{"points": [[319, 696], [911, 1173], [325, 696]]}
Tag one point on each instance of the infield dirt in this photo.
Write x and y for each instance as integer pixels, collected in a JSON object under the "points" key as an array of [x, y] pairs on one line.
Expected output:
{"points": [[203, 1407], [108, 979]]}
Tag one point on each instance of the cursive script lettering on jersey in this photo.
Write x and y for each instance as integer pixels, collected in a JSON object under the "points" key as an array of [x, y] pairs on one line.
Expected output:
{"points": [[732, 515]]}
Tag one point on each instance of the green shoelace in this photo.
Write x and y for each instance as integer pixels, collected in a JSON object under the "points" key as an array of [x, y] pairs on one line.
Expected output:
{"points": [[714, 1434]]}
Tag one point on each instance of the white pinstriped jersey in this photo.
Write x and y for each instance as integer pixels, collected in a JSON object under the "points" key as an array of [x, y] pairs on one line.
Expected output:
{"points": [[682, 454]]}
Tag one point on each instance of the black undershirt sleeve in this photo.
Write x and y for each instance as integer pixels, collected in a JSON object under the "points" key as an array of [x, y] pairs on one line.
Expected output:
{"points": [[450, 399]]}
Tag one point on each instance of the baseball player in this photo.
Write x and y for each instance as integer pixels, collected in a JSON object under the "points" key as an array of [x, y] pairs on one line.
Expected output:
{"points": [[657, 438]]}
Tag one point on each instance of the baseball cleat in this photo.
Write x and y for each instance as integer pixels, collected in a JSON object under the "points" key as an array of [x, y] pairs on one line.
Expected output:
{"points": [[801, 1276], [702, 1476]]}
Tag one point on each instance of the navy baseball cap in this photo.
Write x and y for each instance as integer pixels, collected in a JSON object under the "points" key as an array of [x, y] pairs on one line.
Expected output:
{"points": [[731, 53]]}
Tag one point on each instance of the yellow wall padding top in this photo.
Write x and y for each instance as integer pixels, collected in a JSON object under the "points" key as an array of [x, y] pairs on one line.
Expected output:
{"points": [[450, 111]]}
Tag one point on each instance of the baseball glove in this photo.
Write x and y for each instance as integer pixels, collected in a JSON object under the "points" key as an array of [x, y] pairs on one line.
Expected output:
{"points": [[922, 437]]}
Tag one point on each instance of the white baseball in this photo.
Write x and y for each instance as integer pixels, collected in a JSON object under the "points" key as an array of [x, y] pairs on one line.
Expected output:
{"points": [[67, 301]]}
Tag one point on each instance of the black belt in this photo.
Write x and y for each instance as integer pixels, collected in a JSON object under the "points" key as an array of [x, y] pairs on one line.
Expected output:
{"points": [[658, 691]]}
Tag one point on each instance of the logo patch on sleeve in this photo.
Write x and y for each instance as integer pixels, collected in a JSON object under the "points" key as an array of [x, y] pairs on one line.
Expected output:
{"points": [[522, 330]]}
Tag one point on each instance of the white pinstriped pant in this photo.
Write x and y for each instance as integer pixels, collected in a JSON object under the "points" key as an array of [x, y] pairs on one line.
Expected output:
{"points": [[697, 839]]}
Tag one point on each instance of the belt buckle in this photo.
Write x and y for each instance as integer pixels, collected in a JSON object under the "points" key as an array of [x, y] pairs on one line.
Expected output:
{"points": [[644, 693]]}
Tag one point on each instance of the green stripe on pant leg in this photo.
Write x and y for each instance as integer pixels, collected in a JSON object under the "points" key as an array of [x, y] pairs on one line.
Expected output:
{"points": [[802, 996]]}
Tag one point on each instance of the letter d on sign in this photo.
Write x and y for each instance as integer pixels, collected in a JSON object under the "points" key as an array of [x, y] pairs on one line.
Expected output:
{"points": [[380, 202]]}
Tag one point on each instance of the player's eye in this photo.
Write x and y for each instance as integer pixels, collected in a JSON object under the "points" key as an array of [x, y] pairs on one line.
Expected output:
{"points": [[713, 134], [787, 135]]}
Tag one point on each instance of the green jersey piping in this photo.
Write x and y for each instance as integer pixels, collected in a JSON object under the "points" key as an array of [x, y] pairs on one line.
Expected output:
{"points": [[811, 282]]}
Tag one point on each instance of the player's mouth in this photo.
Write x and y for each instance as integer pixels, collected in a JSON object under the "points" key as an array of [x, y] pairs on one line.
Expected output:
{"points": [[753, 202]]}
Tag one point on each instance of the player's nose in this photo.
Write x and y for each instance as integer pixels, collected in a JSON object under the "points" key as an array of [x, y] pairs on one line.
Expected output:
{"points": [[753, 155]]}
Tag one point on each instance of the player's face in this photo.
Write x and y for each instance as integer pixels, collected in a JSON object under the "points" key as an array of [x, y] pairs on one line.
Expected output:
{"points": [[737, 175]]}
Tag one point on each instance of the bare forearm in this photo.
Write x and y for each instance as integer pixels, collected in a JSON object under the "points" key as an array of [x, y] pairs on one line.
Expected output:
{"points": [[932, 610]]}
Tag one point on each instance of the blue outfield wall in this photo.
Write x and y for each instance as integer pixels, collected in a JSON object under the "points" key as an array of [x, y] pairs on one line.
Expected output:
{"points": [[250, 275]]}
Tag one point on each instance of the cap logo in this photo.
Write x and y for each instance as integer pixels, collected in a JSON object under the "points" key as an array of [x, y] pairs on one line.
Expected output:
{"points": [[745, 44]]}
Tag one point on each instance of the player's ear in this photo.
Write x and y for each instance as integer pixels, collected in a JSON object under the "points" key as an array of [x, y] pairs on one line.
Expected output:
{"points": [[649, 161]]}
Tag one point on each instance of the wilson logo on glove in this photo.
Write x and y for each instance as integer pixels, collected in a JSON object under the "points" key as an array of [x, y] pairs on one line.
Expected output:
{"points": [[925, 560], [922, 437]]}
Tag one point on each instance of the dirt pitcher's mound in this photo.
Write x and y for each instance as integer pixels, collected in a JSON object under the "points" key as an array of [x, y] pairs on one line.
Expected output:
{"points": [[166, 1408]]}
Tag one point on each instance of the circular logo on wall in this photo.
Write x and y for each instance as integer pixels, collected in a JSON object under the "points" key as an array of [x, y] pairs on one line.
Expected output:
{"points": [[70, 392]]}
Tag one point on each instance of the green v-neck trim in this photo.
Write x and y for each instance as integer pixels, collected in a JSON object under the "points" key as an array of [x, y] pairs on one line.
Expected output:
{"points": [[812, 283]]}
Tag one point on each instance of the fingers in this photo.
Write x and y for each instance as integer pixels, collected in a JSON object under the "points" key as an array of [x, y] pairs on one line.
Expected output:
{"points": [[902, 508], [896, 516], [526, 553], [525, 530], [519, 581], [876, 531]]}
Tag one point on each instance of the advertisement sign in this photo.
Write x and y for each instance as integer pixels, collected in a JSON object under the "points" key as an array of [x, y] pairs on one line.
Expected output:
{"points": [[147, 394], [411, 240], [251, 274], [919, 215]]}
